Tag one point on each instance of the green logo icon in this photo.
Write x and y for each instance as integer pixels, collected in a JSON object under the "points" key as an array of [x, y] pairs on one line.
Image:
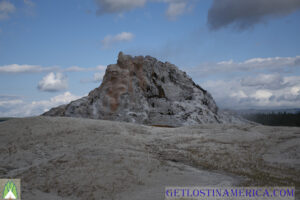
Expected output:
{"points": [[10, 191]]}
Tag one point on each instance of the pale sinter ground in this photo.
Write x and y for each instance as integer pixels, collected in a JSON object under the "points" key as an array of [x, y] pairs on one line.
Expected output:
{"points": [[72, 158]]}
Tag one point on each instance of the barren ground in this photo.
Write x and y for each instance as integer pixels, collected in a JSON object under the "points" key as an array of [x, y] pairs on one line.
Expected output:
{"points": [[71, 158]]}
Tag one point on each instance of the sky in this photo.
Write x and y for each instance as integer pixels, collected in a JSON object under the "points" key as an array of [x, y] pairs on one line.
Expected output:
{"points": [[245, 53]]}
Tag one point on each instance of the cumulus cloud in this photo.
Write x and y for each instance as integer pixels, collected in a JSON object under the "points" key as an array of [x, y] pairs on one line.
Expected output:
{"points": [[253, 83], [25, 109], [246, 13], [235, 94], [6, 9], [117, 6], [97, 78], [45, 105], [110, 40], [53, 82]]}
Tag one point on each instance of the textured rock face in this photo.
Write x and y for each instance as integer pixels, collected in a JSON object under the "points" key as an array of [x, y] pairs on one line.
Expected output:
{"points": [[147, 91]]}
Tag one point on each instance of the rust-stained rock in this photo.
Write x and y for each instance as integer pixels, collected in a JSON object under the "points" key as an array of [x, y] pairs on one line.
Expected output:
{"points": [[147, 91]]}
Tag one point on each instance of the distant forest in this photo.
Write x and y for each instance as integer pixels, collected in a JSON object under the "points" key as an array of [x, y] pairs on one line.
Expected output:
{"points": [[2, 119], [275, 119]]}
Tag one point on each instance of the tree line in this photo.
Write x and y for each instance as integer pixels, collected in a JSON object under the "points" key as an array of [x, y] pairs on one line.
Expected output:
{"points": [[275, 119]]}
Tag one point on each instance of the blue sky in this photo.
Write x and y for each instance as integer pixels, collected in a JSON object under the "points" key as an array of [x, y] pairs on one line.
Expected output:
{"points": [[245, 53]]}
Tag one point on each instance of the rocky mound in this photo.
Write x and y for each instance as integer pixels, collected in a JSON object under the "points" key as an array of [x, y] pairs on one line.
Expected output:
{"points": [[146, 91]]}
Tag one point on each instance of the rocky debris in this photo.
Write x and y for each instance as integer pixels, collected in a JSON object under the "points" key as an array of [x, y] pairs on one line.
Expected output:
{"points": [[146, 91]]}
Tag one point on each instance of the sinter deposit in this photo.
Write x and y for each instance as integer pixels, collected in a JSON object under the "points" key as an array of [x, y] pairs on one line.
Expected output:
{"points": [[146, 91], [73, 158]]}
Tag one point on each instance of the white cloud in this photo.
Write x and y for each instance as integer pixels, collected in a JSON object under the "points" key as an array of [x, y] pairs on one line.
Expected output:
{"points": [[235, 94], [98, 77], [29, 3], [10, 102], [271, 81], [86, 69], [75, 69], [29, 7], [238, 94], [273, 63], [295, 90], [53, 82], [262, 94], [6, 8], [253, 83], [100, 67], [15, 68], [110, 40], [118, 6], [23, 109], [57, 100], [175, 9]]}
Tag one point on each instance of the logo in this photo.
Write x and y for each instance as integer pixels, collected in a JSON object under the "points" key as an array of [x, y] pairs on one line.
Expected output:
{"points": [[10, 189]]}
